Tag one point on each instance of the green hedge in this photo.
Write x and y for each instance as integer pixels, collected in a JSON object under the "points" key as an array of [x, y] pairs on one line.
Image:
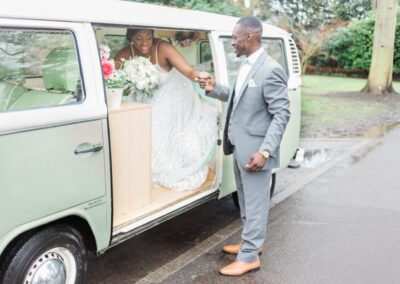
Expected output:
{"points": [[350, 48]]}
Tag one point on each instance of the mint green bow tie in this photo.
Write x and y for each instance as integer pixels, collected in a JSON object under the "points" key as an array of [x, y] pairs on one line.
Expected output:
{"points": [[244, 59]]}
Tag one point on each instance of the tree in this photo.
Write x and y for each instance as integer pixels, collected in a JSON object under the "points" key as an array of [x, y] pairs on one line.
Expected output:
{"points": [[350, 9], [225, 7], [380, 73], [311, 14], [311, 42], [307, 13]]}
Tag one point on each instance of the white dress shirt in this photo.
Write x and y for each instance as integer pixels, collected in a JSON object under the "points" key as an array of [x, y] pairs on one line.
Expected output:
{"points": [[243, 72]]}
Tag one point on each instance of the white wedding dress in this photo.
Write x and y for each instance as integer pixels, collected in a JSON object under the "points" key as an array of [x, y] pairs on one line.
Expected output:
{"points": [[184, 132]]}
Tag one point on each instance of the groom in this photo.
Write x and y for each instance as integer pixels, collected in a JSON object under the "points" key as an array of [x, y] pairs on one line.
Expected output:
{"points": [[258, 112]]}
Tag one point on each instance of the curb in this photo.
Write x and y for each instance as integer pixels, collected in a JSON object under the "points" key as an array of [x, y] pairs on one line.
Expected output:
{"points": [[216, 239]]}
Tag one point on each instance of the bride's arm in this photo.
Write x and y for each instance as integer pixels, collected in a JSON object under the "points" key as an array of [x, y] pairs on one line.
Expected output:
{"points": [[175, 59], [123, 53]]}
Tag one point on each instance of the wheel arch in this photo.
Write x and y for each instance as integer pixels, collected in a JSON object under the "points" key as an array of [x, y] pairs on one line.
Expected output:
{"points": [[75, 221]]}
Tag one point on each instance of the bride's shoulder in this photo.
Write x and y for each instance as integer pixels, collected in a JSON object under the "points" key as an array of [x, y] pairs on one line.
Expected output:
{"points": [[165, 47], [162, 44], [125, 52]]}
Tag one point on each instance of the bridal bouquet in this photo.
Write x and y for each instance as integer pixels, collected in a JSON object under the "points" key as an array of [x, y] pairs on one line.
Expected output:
{"points": [[114, 79], [142, 76]]}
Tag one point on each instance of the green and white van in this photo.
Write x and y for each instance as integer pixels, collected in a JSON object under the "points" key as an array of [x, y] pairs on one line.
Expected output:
{"points": [[75, 175]]}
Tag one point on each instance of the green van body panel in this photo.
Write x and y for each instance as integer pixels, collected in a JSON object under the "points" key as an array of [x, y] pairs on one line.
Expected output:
{"points": [[228, 184], [42, 179], [291, 137], [93, 215]]}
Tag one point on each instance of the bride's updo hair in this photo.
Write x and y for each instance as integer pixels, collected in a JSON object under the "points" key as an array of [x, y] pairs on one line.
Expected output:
{"points": [[131, 32]]}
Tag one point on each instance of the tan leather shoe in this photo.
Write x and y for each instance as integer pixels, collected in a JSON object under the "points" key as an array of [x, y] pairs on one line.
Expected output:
{"points": [[234, 249], [238, 268]]}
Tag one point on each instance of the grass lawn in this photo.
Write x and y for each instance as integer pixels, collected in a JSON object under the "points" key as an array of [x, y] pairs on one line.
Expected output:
{"points": [[316, 85], [323, 112]]}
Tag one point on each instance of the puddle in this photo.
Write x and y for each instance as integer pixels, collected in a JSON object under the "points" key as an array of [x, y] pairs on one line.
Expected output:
{"points": [[380, 130], [314, 158]]}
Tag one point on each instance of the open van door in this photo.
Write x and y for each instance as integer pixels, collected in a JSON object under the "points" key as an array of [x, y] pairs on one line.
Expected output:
{"points": [[222, 73], [283, 50]]}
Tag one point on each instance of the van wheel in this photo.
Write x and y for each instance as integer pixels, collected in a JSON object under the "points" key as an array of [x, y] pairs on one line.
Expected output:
{"points": [[271, 190], [54, 255]]}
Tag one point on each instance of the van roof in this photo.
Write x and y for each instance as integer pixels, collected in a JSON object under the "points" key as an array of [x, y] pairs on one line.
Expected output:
{"points": [[122, 12]]}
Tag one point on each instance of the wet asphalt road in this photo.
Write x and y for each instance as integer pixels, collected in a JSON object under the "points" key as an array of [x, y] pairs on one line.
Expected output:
{"points": [[340, 228], [343, 227], [133, 259]]}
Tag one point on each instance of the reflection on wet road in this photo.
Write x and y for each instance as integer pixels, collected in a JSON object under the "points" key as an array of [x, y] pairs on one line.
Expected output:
{"points": [[313, 158]]}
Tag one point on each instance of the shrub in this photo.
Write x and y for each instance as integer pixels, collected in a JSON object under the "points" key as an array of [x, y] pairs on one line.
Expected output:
{"points": [[351, 47]]}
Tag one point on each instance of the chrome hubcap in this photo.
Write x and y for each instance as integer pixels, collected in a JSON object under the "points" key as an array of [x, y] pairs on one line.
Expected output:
{"points": [[56, 265]]}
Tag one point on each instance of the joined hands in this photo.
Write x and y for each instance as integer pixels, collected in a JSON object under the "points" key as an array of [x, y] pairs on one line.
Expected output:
{"points": [[206, 81]]}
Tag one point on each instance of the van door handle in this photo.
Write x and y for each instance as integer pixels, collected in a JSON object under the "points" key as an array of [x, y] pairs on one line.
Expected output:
{"points": [[93, 148]]}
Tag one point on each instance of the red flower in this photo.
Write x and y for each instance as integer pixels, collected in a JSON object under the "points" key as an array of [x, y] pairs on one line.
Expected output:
{"points": [[108, 68]]}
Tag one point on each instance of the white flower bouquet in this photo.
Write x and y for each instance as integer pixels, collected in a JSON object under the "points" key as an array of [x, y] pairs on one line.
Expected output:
{"points": [[142, 76]]}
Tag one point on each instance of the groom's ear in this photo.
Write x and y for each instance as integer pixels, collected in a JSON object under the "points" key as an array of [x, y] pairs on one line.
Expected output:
{"points": [[249, 36]]}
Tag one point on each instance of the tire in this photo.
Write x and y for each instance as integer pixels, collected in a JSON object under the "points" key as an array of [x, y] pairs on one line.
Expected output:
{"points": [[271, 190], [60, 248]]}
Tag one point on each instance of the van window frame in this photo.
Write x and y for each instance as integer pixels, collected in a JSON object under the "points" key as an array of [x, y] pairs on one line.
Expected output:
{"points": [[83, 85], [284, 51], [201, 43]]}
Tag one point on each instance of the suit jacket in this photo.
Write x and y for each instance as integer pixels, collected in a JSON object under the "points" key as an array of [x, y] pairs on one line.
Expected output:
{"points": [[258, 120]]}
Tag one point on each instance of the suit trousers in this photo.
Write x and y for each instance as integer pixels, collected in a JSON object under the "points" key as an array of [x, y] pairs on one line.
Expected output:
{"points": [[253, 193]]}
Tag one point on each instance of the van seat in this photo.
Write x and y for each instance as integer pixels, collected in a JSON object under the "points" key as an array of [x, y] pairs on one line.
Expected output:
{"points": [[36, 98], [9, 93], [61, 70], [61, 76]]}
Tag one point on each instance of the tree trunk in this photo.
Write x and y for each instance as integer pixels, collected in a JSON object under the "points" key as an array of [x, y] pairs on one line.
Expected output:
{"points": [[374, 4], [380, 73]]}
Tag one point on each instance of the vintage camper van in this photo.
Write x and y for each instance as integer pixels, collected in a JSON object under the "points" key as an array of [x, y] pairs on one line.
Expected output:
{"points": [[75, 175]]}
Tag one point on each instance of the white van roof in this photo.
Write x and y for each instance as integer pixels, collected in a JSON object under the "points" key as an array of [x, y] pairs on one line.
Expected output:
{"points": [[122, 12]]}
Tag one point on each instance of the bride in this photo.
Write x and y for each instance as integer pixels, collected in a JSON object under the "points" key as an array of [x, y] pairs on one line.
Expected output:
{"points": [[184, 128]]}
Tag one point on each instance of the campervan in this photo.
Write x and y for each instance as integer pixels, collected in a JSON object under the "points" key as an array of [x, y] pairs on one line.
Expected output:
{"points": [[75, 172]]}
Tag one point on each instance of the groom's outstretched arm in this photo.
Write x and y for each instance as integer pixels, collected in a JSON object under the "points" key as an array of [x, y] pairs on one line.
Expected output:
{"points": [[219, 92], [212, 88]]}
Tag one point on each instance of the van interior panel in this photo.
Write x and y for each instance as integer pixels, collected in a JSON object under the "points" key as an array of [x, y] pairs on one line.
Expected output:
{"points": [[161, 198], [134, 195]]}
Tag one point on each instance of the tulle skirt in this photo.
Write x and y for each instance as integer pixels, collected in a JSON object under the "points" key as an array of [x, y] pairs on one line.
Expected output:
{"points": [[184, 134]]}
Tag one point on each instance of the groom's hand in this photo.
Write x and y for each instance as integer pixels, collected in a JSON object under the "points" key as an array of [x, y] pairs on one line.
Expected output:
{"points": [[256, 162], [206, 81]]}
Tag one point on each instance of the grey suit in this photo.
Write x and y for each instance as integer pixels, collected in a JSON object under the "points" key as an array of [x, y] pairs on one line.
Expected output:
{"points": [[257, 122]]}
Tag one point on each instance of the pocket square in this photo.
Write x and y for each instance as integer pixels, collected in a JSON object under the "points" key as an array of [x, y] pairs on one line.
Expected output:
{"points": [[252, 84]]}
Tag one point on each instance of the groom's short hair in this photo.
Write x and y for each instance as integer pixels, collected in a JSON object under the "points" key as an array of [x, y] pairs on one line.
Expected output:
{"points": [[252, 24]]}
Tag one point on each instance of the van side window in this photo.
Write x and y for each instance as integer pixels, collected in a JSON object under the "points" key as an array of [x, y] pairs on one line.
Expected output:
{"points": [[273, 46], [115, 43], [206, 57], [38, 68]]}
